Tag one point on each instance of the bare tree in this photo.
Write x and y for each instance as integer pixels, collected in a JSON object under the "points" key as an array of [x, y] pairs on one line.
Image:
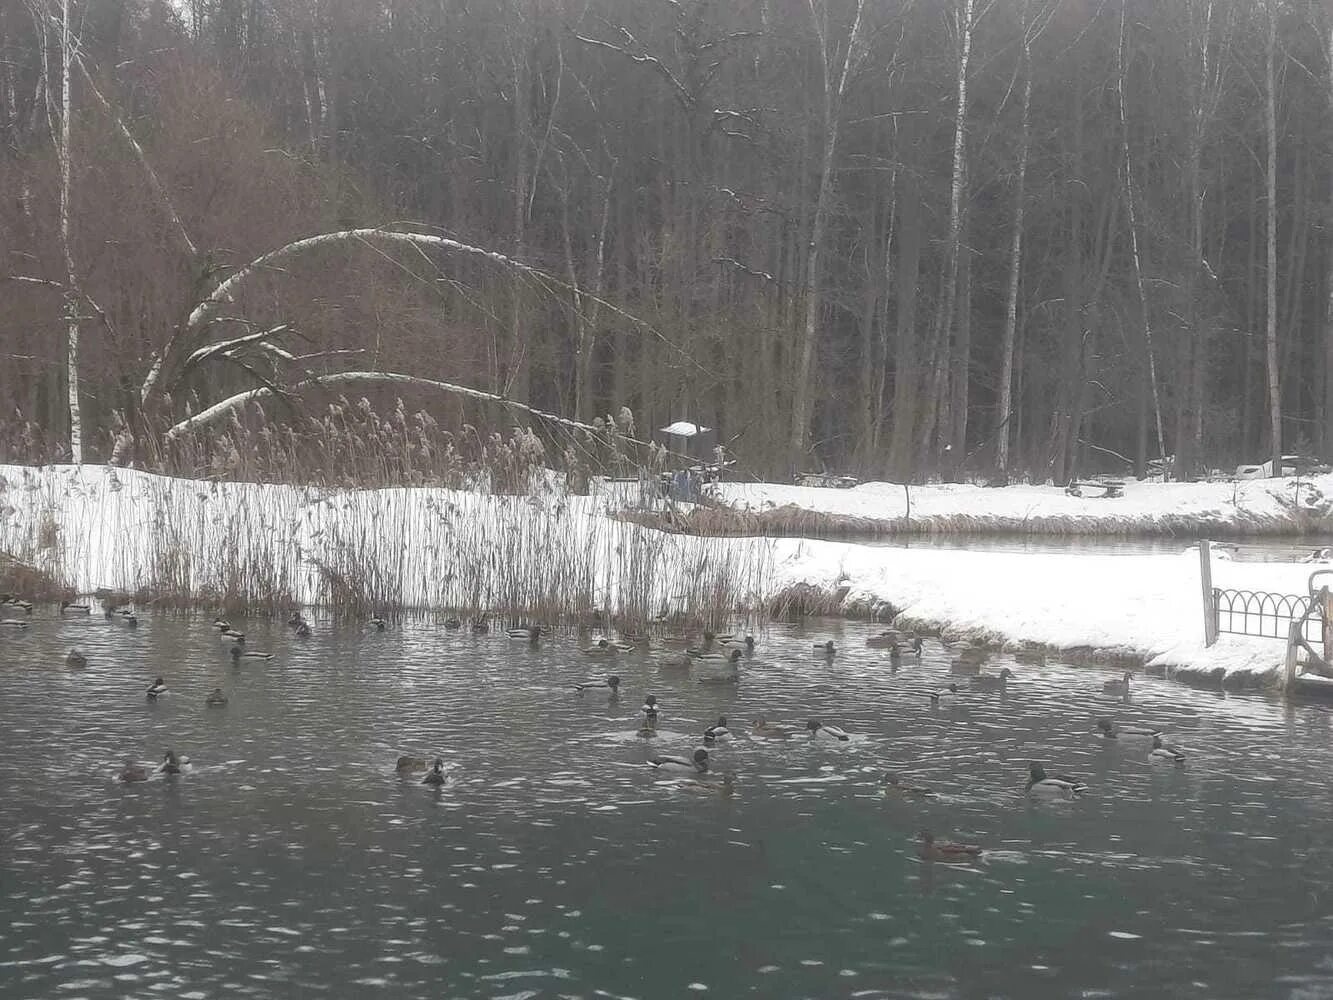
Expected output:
{"points": [[1270, 180], [71, 293], [964, 26], [834, 92], [1004, 392], [1134, 239]]}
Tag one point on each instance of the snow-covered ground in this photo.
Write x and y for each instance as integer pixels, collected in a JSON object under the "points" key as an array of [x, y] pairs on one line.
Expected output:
{"points": [[96, 527], [1250, 506], [1144, 607]]}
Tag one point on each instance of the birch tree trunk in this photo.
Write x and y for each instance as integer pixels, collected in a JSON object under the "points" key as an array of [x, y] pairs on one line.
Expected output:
{"points": [[71, 292], [1270, 331], [833, 94], [944, 326], [1004, 402]]}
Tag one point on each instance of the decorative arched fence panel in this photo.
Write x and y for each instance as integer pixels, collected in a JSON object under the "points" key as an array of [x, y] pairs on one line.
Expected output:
{"points": [[1260, 613]]}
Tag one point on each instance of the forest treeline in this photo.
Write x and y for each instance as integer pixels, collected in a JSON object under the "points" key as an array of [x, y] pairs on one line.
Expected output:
{"points": [[897, 238]]}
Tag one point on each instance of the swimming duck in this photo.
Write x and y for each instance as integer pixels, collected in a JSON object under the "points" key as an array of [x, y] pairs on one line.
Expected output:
{"points": [[217, 699], [650, 712], [602, 647], [158, 687], [239, 652], [131, 621], [12, 623], [726, 789], [133, 772], [295, 619], [303, 630], [435, 776], [885, 640], [945, 850], [231, 633], [913, 652], [935, 696], [892, 783], [1111, 731], [1162, 752], [172, 764], [221, 624], [1118, 687], [76, 659], [970, 656], [531, 634], [826, 648], [731, 640], [611, 683], [453, 624], [696, 765], [1061, 786], [406, 764], [10, 601], [70, 608], [377, 623], [717, 731], [771, 730], [733, 656], [835, 732], [992, 682]]}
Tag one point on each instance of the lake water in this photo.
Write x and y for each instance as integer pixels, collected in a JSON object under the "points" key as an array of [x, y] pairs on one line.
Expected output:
{"points": [[290, 861]]}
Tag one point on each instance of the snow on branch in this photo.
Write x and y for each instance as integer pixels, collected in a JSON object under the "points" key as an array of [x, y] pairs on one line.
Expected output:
{"points": [[222, 346], [203, 313]]}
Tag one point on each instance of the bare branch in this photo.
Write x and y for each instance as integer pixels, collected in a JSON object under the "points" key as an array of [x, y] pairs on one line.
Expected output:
{"points": [[223, 346], [745, 269], [337, 378], [643, 58], [203, 313]]}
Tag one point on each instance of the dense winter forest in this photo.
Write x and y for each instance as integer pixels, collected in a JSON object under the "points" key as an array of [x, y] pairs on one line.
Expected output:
{"points": [[898, 238]]}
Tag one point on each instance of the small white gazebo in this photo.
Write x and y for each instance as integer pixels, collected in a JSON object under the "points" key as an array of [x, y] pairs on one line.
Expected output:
{"points": [[684, 429]]}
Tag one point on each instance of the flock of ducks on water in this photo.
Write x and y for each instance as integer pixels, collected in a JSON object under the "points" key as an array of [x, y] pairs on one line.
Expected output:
{"points": [[721, 651]]}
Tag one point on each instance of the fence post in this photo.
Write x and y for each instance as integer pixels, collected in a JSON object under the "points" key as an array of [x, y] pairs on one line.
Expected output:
{"points": [[1293, 634], [1206, 580]]}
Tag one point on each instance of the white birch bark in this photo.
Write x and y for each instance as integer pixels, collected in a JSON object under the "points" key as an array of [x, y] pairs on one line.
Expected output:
{"points": [[71, 294]]}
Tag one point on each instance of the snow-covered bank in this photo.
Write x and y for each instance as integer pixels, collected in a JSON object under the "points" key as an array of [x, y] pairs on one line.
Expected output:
{"points": [[432, 548], [1144, 608], [1211, 509]]}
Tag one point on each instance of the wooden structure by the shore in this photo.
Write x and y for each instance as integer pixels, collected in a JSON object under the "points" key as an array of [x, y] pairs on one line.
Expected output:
{"points": [[1312, 675], [1303, 621]]}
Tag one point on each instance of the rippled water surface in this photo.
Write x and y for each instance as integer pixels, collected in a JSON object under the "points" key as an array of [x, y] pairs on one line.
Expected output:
{"points": [[290, 861]]}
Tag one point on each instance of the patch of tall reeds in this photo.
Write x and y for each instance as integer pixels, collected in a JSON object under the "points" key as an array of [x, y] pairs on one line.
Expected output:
{"points": [[545, 556]]}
